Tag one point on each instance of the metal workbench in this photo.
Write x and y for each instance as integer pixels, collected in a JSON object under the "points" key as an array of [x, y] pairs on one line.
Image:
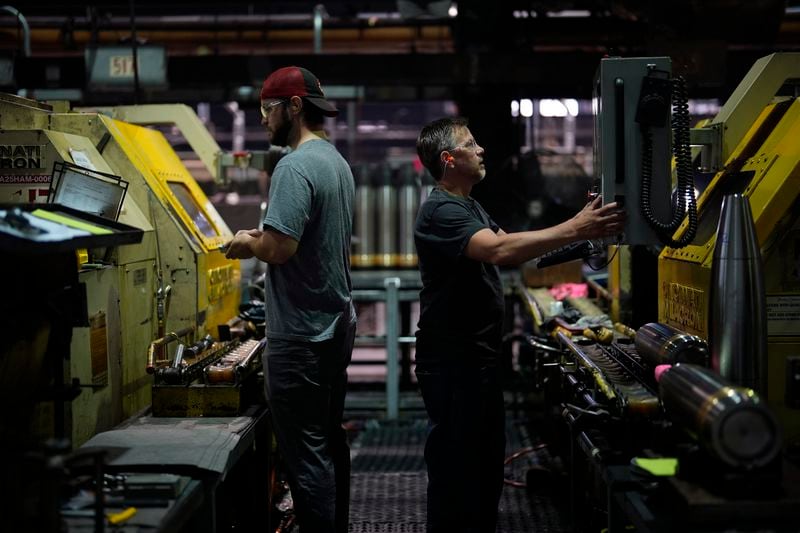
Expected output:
{"points": [[206, 449]]}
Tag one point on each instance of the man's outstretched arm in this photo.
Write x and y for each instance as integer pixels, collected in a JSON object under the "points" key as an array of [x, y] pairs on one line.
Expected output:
{"points": [[501, 248]]}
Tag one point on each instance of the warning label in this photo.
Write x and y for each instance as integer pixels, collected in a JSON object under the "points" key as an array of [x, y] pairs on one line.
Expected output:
{"points": [[783, 315], [685, 306]]}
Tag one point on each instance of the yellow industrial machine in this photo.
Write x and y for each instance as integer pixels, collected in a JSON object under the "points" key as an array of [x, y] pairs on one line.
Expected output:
{"points": [[752, 146], [708, 377], [175, 279], [749, 148]]}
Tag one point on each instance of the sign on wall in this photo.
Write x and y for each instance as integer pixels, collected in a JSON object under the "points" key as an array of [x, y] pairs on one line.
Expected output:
{"points": [[112, 67]]}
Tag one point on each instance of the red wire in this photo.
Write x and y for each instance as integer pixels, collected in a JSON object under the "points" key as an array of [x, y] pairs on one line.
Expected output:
{"points": [[516, 455]]}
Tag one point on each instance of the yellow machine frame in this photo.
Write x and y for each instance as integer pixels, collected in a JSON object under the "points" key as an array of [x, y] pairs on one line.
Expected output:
{"points": [[177, 277], [762, 162]]}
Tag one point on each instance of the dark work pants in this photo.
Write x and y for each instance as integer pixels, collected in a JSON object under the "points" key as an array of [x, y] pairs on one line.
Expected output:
{"points": [[466, 444], [306, 384]]}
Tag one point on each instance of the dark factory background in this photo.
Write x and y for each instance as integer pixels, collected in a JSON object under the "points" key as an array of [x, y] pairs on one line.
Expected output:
{"points": [[109, 367]]}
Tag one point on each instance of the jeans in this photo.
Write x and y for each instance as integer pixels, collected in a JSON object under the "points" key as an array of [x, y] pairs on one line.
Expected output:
{"points": [[305, 384], [466, 444]]}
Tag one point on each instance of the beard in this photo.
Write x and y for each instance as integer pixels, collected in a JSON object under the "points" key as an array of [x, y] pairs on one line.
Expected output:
{"points": [[280, 136]]}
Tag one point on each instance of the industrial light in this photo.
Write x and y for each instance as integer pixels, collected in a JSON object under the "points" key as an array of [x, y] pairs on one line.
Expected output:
{"points": [[572, 106], [570, 13], [558, 108], [245, 92], [526, 107]]}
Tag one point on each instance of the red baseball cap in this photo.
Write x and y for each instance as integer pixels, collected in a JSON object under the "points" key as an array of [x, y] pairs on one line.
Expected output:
{"points": [[297, 81]]}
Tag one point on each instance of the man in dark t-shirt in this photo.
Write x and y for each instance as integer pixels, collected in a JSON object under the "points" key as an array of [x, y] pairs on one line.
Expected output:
{"points": [[458, 342]]}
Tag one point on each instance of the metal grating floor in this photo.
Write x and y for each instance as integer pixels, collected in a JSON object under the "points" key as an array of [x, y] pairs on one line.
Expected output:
{"points": [[523, 510], [389, 482], [388, 478]]}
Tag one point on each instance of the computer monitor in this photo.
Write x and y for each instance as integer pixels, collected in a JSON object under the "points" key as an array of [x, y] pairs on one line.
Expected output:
{"points": [[87, 190]]}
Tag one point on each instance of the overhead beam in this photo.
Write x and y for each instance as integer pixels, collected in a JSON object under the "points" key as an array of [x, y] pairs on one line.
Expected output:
{"points": [[219, 78]]}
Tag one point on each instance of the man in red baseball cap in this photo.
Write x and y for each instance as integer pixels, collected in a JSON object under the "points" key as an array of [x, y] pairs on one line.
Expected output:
{"points": [[310, 326], [283, 85], [297, 81]]}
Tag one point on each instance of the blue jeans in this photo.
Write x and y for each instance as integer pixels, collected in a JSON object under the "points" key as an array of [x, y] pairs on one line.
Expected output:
{"points": [[466, 444], [305, 384]]}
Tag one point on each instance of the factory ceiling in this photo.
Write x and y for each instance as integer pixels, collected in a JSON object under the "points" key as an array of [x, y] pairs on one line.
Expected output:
{"points": [[394, 48]]}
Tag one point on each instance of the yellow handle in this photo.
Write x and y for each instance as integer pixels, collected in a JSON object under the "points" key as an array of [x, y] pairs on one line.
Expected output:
{"points": [[121, 516]]}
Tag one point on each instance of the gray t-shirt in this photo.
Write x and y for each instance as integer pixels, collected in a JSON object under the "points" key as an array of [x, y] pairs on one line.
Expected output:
{"points": [[311, 200]]}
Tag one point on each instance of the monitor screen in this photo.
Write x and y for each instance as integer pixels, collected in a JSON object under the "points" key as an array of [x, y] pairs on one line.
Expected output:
{"points": [[87, 190]]}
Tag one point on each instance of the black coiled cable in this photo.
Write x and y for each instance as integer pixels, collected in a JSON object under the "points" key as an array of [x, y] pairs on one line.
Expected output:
{"points": [[683, 162], [647, 182]]}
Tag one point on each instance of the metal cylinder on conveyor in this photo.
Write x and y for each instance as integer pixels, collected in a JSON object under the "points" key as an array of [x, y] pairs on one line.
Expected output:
{"points": [[737, 304], [364, 218], [731, 422], [407, 206], [386, 206], [661, 344]]}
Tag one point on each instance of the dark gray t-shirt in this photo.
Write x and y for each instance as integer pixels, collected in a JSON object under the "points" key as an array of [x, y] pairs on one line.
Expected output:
{"points": [[461, 302], [311, 200]]}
